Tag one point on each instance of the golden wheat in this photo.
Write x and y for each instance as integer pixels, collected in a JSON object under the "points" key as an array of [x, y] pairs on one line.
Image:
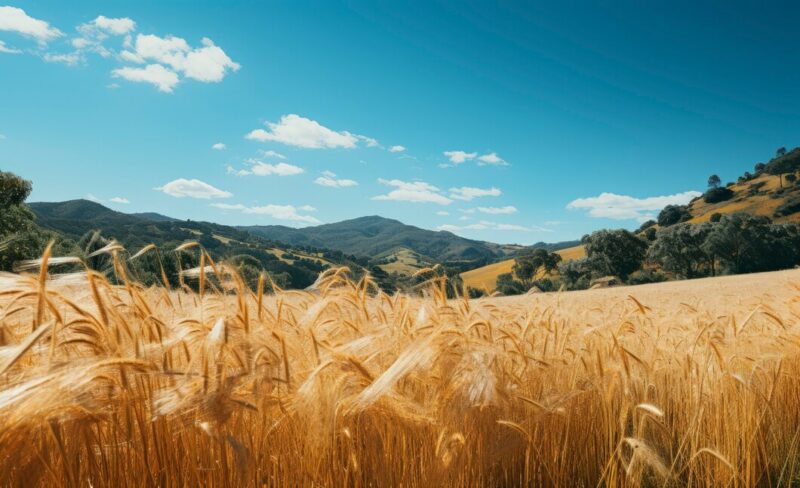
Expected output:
{"points": [[107, 384]]}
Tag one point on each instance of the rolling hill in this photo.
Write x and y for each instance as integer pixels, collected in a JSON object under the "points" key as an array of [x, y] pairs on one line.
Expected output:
{"points": [[376, 236], [75, 219]]}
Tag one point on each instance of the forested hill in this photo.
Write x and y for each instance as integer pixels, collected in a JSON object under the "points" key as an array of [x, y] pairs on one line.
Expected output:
{"points": [[375, 236]]}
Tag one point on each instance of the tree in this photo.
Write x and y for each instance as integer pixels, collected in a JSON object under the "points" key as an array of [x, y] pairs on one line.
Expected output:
{"points": [[575, 274], [679, 249], [673, 214], [527, 266], [714, 181], [716, 195], [13, 190], [20, 237], [759, 167], [781, 151], [615, 252], [507, 285], [791, 178]]}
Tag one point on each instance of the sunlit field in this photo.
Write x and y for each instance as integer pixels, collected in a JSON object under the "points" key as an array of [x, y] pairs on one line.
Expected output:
{"points": [[684, 383]]}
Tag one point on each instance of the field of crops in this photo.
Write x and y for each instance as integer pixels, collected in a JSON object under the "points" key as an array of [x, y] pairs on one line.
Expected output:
{"points": [[690, 383]]}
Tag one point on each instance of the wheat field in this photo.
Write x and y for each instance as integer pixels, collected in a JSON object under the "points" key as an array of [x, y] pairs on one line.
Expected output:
{"points": [[677, 384]]}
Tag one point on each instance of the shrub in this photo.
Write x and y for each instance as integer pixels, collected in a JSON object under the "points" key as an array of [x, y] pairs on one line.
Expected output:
{"points": [[788, 208], [715, 217], [716, 195], [673, 214], [646, 276]]}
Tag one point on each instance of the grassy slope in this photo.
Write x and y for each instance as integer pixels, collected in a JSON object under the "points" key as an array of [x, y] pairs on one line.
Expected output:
{"points": [[762, 203], [486, 277]]}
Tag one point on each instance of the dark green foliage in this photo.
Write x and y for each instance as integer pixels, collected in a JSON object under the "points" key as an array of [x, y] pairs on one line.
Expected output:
{"points": [[615, 252], [577, 274], [475, 292], [714, 181], [715, 217], [759, 167], [716, 195], [681, 250], [646, 225], [13, 190], [526, 266], [788, 162], [673, 214], [744, 244], [507, 285], [645, 276], [788, 208]]}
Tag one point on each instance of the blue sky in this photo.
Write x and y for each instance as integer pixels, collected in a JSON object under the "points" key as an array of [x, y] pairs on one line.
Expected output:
{"points": [[512, 122]]}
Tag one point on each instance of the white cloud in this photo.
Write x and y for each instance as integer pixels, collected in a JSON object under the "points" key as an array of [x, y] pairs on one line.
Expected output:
{"points": [[467, 193], [623, 207], [492, 159], [218, 146], [294, 130], [119, 200], [397, 149], [70, 59], [8, 50], [369, 141], [280, 169], [117, 27], [329, 179], [416, 191], [208, 64], [443, 213], [14, 19], [458, 157], [272, 154], [507, 210], [279, 212], [488, 225], [155, 74], [182, 187]]}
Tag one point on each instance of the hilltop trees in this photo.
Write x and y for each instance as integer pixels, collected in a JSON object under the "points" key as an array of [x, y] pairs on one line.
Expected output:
{"points": [[673, 214], [714, 181]]}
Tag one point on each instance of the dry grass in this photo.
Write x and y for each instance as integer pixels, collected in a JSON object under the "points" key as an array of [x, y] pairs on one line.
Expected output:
{"points": [[485, 277], [677, 384]]}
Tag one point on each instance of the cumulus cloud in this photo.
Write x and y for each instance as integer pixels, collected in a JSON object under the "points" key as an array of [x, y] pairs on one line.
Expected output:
{"points": [[415, 191], [120, 200], [294, 130], [117, 27], [397, 149], [218, 146], [467, 193], [182, 188], [443, 213], [155, 74], [623, 207], [15, 20], [207, 64], [288, 213], [507, 210], [459, 157], [491, 159], [329, 179]]}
